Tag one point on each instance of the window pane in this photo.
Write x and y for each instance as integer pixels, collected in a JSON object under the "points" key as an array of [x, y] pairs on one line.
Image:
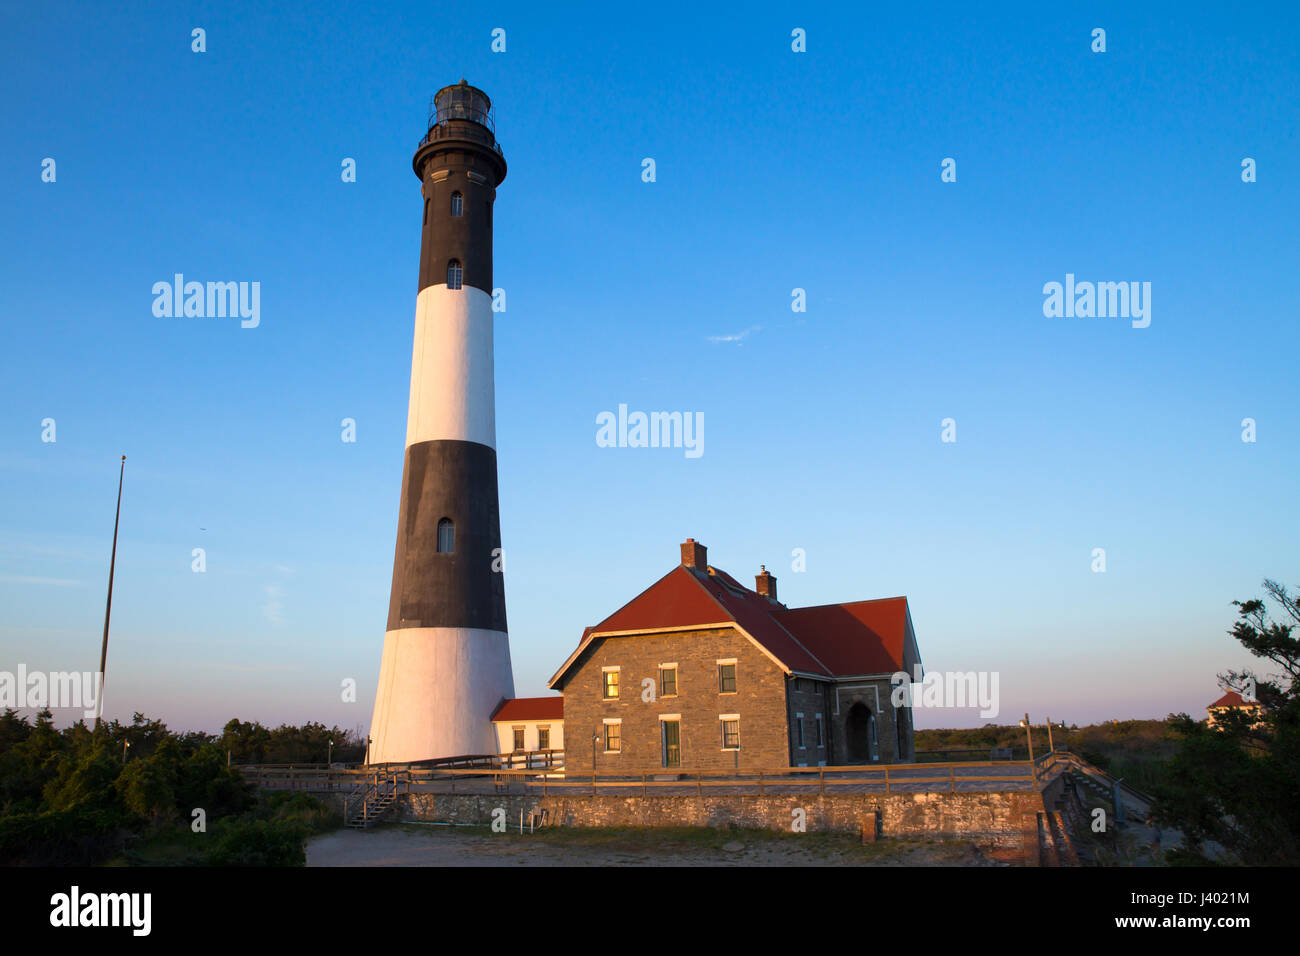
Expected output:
{"points": [[668, 681], [727, 678], [455, 204], [453, 274], [611, 683], [446, 536], [672, 744]]}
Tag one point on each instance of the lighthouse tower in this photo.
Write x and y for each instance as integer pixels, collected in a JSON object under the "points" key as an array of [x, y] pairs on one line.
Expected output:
{"points": [[446, 662]]}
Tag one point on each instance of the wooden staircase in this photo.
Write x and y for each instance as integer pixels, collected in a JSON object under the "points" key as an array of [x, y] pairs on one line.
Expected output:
{"points": [[369, 803], [1083, 785]]}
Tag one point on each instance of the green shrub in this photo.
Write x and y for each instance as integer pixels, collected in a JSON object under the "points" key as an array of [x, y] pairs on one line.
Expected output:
{"points": [[81, 837], [245, 842]]}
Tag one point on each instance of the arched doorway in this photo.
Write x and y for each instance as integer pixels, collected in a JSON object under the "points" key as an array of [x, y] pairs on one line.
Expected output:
{"points": [[860, 734]]}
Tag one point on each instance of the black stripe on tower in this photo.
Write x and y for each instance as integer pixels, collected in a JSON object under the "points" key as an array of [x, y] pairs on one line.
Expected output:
{"points": [[459, 157], [454, 480]]}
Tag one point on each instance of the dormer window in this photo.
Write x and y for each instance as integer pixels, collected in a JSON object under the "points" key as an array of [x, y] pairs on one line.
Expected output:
{"points": [[446, 536], [457, 204], [453, 274]]}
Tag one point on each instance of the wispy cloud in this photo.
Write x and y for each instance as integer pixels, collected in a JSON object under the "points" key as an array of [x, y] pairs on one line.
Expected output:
{"points": [[273, 607], [737, 337]]}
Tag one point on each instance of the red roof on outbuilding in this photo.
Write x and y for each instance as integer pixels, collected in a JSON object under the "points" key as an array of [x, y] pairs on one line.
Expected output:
{"points": [[530, 708], [1232, 699]]}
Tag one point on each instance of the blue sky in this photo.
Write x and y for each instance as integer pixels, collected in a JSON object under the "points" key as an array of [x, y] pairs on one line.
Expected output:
{"points": [[775, 170]]}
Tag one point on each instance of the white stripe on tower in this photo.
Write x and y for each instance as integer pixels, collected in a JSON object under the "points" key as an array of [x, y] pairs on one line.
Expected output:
{"points": [[446, 661], [452, 393]]}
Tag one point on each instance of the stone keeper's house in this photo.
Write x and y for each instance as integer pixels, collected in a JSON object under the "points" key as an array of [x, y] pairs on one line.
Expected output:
{"points": [[700, 672]]}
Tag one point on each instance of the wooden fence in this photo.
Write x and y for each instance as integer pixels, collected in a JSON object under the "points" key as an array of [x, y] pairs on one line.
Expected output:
{"points": [[496, 772]]}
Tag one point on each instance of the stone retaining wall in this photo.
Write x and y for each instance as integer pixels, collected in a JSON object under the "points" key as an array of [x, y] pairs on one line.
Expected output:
{"points": [[992, 820]]}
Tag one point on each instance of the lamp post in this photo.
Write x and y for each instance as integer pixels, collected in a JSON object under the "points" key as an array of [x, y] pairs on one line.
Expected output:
{"points": [[1050, 746], [1029, 737], [125, 744], [329, 759]]}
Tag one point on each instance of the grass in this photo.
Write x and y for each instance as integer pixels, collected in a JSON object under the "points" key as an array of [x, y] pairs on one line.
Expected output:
{"points": [[646, 844]]}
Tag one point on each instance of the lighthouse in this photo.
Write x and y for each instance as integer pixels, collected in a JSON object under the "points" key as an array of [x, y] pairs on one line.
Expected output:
{"points": [[446, 659]]}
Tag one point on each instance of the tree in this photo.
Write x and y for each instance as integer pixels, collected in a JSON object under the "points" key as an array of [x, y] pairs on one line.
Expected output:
{"points": [[1234, 784]]}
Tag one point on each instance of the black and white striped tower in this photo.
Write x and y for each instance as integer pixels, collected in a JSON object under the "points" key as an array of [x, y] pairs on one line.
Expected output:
{"points": [[446, 662]]}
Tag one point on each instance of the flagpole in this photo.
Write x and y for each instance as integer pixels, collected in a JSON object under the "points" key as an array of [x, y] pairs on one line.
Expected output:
{"points": [[108, 608]]}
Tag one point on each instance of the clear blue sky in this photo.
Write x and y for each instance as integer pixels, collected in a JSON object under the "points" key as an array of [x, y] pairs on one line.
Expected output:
{"points": [[775, 170]]}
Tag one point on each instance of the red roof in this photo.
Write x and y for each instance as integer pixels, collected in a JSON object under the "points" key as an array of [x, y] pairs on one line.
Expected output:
{"points": [[530, 708], [832, 640], [864, 637], [1233, 699], [675, 600]]}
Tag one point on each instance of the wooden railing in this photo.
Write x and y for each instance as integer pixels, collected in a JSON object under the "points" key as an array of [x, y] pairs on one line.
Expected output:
{"points": [[465, 776], [1052, 764], [374, 783], [971, 753]]}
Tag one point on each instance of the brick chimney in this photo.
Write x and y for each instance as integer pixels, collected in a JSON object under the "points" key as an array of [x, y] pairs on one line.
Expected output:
{"points": [[695, 555], [764, 583]]}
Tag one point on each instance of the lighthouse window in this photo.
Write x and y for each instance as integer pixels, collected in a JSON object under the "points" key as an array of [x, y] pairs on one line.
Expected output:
{"points": [[455, 204], [453, 274], [446, 536]]}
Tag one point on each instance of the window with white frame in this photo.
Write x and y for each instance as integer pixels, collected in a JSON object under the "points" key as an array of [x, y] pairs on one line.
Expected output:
{"points": [[667, 680], [519, 737], [609, 682], [613, 736], [798, 723], [726, 677], [730, 731]]}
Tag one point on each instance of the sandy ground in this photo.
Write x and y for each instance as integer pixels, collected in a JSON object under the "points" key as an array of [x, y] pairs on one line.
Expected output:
{"points": [[415, 845]]}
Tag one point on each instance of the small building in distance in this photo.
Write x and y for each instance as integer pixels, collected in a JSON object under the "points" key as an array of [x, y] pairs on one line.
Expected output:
{"points": [[529, 724], [700, 672], [1231, 701]]}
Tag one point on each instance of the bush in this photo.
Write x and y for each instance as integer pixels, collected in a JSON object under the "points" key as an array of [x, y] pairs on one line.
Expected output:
{"points": [[244, 842], [60, 838]]}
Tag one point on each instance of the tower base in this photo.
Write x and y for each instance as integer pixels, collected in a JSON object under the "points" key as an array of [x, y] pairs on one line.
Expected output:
{"points": [[438, 687]]}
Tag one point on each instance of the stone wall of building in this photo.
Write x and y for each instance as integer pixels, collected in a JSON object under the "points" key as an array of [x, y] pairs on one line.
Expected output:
{"points": [[759, 700], [874, 695], [809, 698]]}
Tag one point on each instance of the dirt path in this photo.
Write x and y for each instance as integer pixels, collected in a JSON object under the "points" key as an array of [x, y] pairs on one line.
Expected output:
{"points": [[415, 845]]}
